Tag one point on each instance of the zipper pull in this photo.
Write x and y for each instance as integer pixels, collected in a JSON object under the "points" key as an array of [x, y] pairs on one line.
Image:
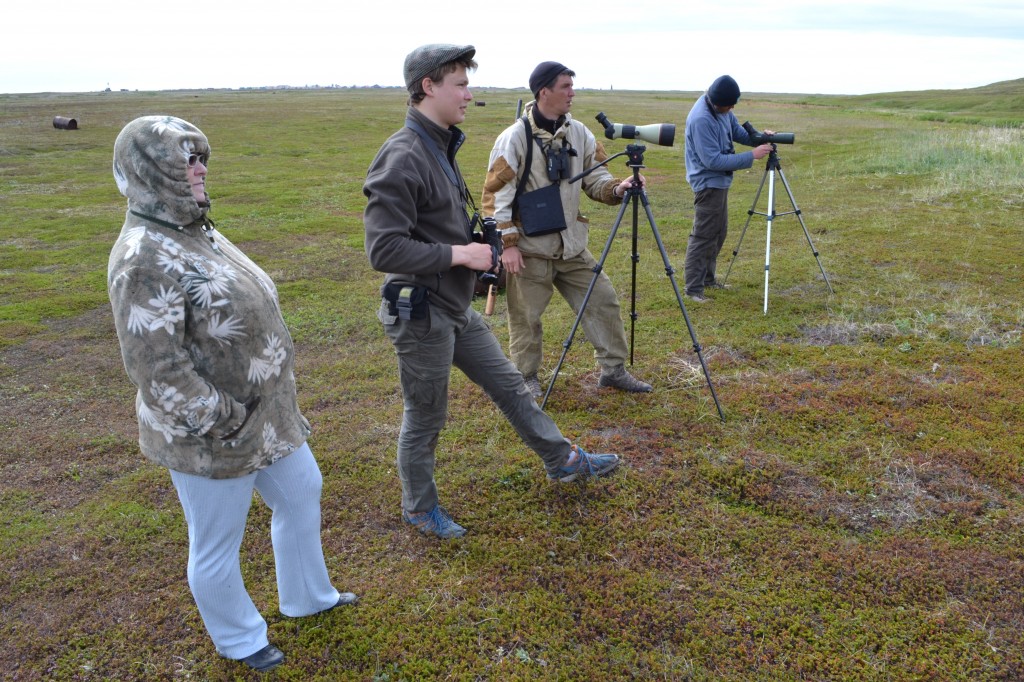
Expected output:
{"points": [[207, 228]]}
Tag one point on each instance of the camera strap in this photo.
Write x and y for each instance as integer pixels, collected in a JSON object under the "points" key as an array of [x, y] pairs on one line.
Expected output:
{"points": [[526, 165], [445, 164]]}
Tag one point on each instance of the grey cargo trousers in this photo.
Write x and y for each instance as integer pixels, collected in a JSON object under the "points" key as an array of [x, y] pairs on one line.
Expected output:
{"points": [[427, 349]]}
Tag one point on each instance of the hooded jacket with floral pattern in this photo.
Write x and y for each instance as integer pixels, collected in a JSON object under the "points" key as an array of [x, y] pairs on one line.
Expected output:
{"points": [[200, 327]]}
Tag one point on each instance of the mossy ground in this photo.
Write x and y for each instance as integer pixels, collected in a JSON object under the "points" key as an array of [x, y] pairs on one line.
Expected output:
{"points": [[857, 516]]}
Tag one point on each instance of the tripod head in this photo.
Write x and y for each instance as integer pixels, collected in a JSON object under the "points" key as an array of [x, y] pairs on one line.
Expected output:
{"points": [[635, 152], [773, 162]]}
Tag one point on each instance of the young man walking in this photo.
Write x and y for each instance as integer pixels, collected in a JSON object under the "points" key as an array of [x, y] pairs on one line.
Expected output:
{"points": [[419, 233]]}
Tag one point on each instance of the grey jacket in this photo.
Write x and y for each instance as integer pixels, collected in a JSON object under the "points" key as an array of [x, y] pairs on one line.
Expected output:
{"points": [[200, 328], [415, 214]]}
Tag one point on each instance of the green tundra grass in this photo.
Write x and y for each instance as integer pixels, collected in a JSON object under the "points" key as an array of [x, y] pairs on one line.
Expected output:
{"points": [[857, 516]]}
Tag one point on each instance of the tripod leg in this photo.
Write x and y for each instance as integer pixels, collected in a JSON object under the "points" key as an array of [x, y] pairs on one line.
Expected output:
{"points": [[750, 214], [807, 234], [679, 299], [768, 242], [632, 305], [583, 306]]}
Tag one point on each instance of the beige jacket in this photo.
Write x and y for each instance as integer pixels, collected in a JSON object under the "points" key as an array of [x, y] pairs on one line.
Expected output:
{"points": [[504, 171]]}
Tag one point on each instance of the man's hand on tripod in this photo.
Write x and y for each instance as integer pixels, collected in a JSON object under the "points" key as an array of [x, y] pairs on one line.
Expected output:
{"points": [[765, 149], [620, 189]]}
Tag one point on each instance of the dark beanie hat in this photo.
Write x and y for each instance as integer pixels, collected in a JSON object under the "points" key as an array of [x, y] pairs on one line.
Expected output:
{"points": [[724, 92], [545, 74]]}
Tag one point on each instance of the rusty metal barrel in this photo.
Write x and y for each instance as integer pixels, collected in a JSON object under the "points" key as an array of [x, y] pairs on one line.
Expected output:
{"points": [[65, 123]]}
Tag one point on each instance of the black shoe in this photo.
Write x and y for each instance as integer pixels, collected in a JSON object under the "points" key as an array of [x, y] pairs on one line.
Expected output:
{"points": [[267, 658], [344, 599]]}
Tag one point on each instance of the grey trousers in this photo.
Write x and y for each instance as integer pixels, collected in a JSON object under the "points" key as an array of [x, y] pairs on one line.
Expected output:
{"points": [[528, 294], [710, 225], [427, 350]]}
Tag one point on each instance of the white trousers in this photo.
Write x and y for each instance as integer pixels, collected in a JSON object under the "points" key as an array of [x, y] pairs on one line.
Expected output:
{"points": [[216, 511]]}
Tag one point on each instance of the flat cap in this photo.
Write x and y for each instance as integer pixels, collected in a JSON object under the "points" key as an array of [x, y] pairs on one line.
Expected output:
{"points": [[426, 59], [545, 74]]}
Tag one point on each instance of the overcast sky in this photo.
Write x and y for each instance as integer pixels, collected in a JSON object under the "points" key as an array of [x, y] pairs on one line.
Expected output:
{"points": [[799, 46]]}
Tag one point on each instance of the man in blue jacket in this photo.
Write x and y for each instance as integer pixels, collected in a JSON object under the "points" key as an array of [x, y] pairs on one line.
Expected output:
{"points": [[711, 128]]}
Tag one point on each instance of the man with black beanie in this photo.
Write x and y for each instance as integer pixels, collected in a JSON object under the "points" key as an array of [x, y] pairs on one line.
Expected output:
{"points": [[711, 128], [535, 157]]}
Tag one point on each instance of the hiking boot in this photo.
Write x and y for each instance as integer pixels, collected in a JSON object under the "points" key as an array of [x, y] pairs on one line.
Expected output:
{"points": [[698, 298], [624, 381], [585, 466], [435, 522], [717, 285], [533, 383]]}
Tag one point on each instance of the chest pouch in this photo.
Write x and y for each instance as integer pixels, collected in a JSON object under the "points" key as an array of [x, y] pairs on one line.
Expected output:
{"points": [[540, 211]]}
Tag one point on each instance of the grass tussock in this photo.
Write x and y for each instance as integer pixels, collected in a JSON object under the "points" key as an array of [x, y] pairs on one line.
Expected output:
{"points": [[857, 516], [981, 160]]}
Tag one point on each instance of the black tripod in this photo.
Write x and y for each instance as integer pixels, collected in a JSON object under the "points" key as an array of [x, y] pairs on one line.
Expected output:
{"points": [[770, 168], [635, 195]]}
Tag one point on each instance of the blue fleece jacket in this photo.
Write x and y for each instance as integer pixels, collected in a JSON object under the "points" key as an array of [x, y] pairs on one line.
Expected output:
{"points": [[710, 156]]}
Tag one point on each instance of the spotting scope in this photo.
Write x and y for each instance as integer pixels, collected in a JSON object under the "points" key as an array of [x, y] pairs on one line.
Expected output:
{"points": [[663, 134], [758, 138]]}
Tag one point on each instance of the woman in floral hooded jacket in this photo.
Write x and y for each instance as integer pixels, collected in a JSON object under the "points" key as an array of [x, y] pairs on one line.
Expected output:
{"points": [[203, 339]]}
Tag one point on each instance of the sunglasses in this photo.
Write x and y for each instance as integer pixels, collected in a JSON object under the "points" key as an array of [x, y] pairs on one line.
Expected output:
{"points": [[193, 159]]}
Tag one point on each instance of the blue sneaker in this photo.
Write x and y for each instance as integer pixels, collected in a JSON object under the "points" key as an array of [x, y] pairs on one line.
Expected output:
{"points": [[435, 522], [585, 466]]}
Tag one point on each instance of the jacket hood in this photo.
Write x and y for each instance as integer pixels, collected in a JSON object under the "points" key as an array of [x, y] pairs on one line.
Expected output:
{"points": [[150, 165]]}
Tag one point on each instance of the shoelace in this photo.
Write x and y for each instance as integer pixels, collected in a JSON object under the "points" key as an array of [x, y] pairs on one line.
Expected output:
{"points": [[584, 460], [440, 518]]}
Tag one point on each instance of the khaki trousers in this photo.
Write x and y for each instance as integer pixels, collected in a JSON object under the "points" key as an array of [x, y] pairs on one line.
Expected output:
{"points": [[529, 292]]}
